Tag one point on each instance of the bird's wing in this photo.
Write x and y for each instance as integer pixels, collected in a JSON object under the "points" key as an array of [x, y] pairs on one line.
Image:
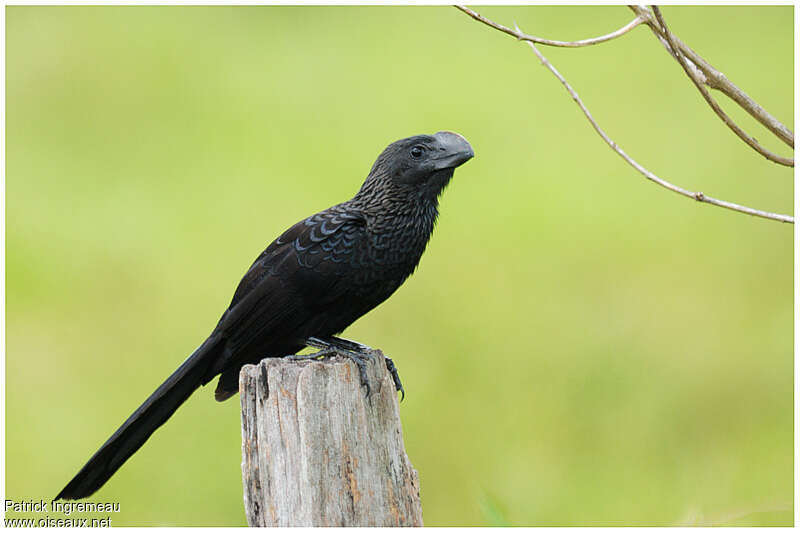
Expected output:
{"points": [[296, 275]]}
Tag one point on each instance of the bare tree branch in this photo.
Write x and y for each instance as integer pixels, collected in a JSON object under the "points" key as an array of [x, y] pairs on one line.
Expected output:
{"points": [[564, 44], [711, 102], [699, 196], [717, 80]]}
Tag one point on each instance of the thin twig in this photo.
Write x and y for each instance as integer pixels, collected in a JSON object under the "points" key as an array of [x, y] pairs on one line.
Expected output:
{"points": [[717, 80], [549, 42], [713, 103], [699, 196]]}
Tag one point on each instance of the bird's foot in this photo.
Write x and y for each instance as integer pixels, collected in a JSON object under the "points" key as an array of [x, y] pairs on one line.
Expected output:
{"points": [[359, 354], [398, 385], [359, 358]]}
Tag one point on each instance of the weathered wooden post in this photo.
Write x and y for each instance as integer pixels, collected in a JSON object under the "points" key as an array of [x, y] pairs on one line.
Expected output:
{"points": [[317, 452]]}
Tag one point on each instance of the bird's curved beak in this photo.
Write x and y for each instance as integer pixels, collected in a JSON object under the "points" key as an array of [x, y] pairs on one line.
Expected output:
{"points": [[452, 150]]}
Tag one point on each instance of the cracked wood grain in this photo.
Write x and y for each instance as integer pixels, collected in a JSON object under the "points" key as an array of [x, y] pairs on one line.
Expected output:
{"points": [[316, 452]]}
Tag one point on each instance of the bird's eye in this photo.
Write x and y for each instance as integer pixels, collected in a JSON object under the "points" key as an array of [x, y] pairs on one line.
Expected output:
{"points": [[416, 152]]}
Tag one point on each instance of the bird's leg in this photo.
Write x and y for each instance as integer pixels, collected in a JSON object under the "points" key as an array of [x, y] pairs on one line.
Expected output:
{"points": [[346, 344], [357, 352]]}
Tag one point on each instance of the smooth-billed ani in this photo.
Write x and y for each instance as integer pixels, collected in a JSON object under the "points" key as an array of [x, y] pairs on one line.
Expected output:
{"points": [[312, 282]]}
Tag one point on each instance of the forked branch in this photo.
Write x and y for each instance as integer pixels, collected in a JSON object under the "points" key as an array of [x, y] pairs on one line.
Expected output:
{"points": [[698, 196], [677, 53], [716, 79]]}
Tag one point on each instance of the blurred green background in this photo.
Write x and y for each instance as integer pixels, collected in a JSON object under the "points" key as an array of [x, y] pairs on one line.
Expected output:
{"points": [[579, 346]]}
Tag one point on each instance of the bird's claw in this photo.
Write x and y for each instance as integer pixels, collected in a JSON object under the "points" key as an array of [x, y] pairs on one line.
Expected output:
{"points": [[356, 352], [361, 362], [398, 385]]}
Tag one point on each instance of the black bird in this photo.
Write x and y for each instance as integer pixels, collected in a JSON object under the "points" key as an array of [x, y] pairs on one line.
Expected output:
{"points": [[312, 282]]}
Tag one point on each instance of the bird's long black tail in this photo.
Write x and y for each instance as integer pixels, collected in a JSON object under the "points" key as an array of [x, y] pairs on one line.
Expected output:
{"points": [[143, 422]]}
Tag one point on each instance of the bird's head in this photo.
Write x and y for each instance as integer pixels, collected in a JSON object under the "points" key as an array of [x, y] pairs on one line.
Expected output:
{"points": [[424, 163]]}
